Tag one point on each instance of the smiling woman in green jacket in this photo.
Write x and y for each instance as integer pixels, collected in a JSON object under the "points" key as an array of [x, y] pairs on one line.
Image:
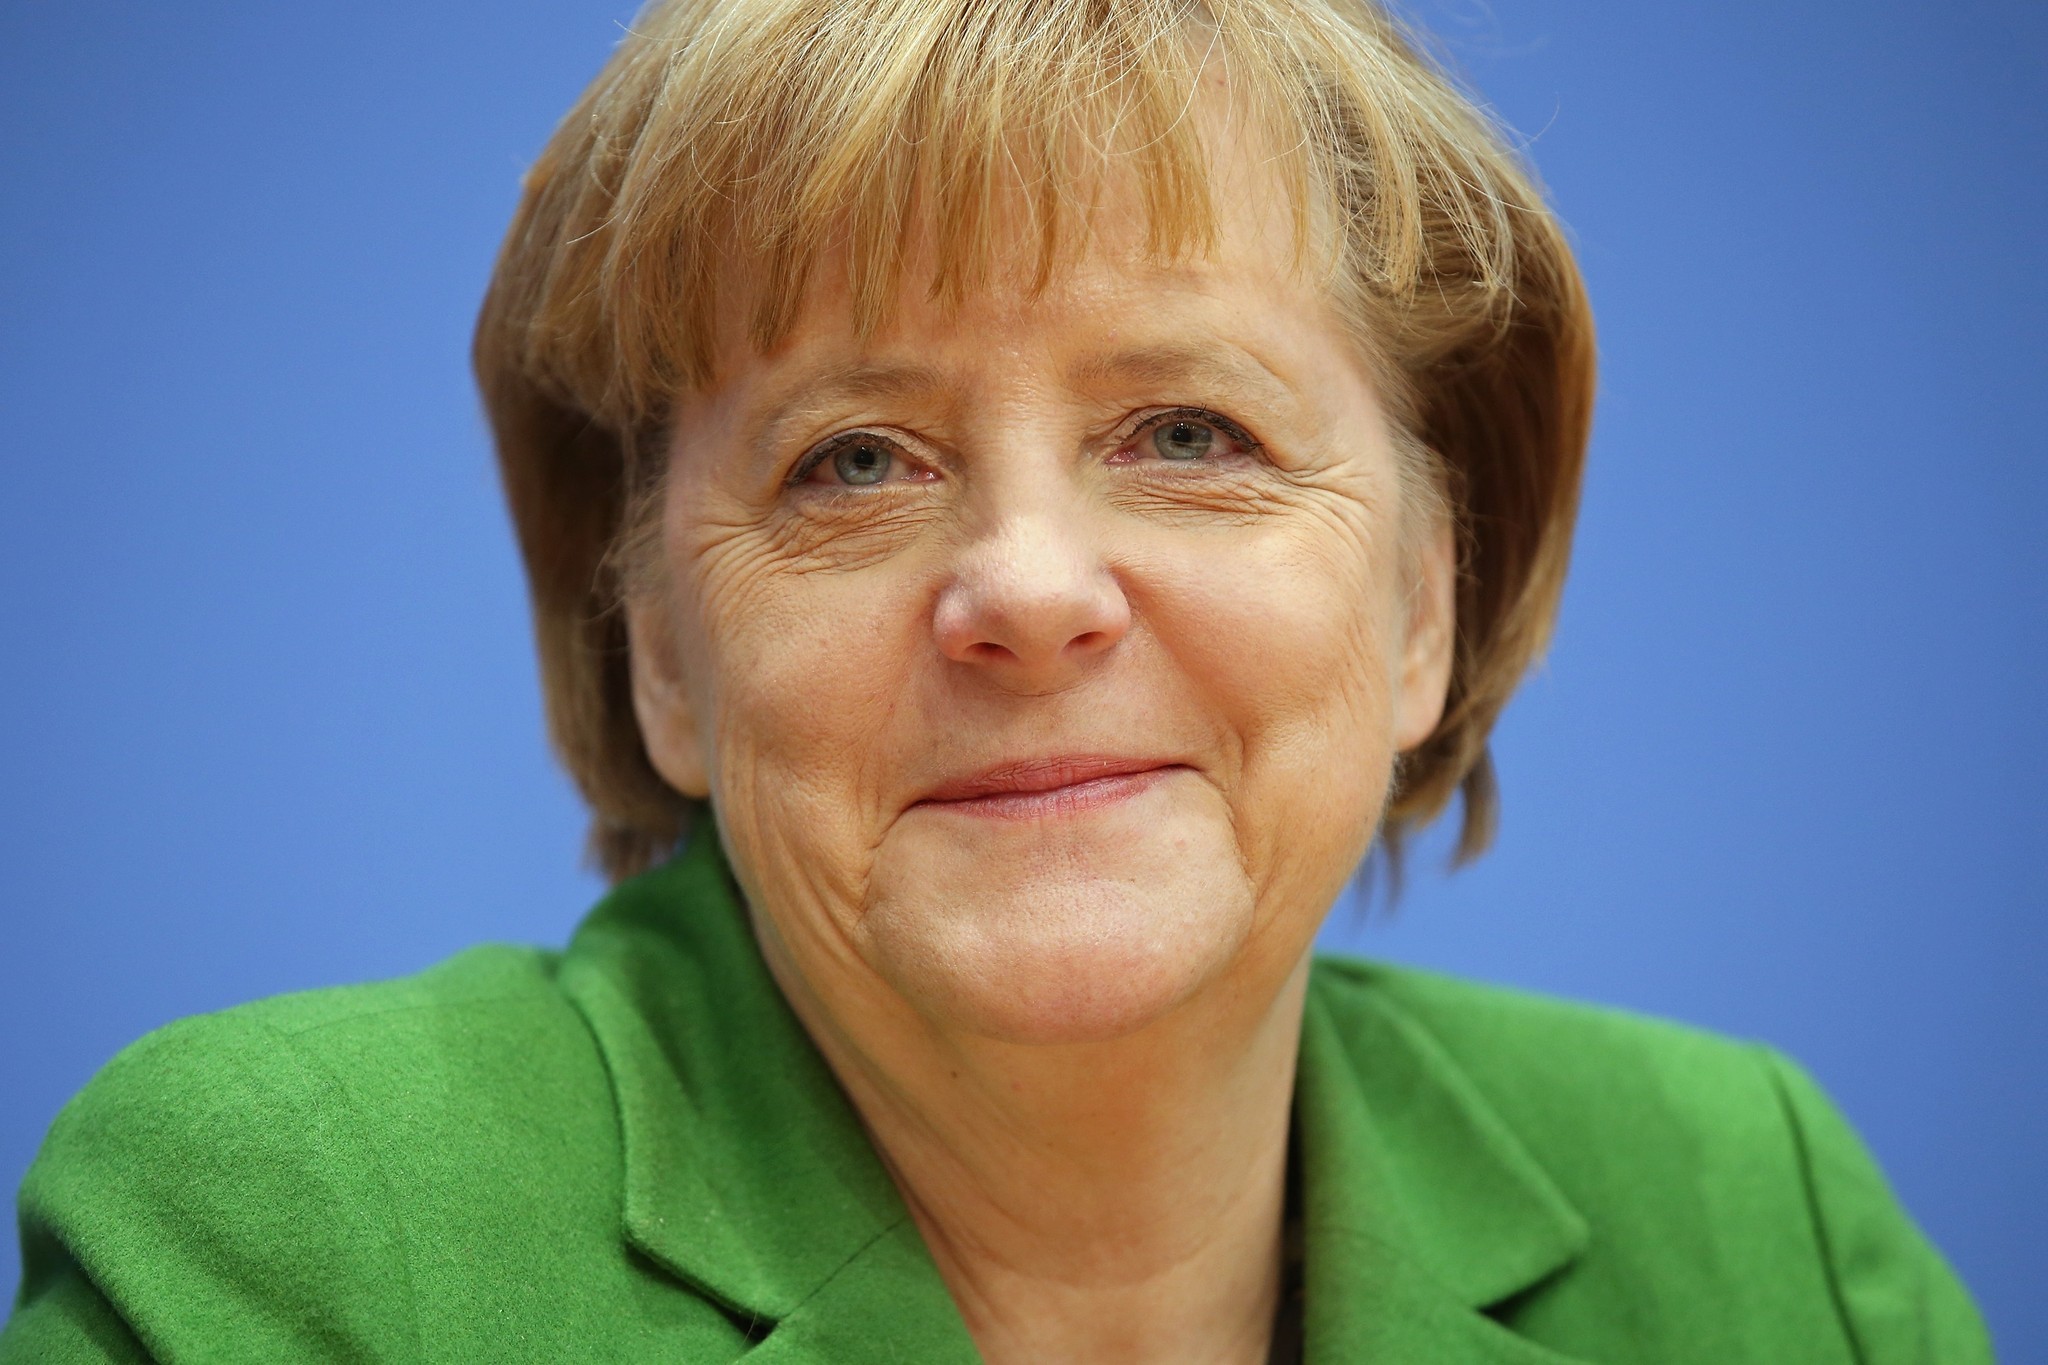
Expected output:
{"points": [[1019, 495]]}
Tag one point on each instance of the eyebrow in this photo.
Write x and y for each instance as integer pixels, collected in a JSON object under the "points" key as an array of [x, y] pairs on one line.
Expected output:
{"points": [[1208, 367], [864, 380]]}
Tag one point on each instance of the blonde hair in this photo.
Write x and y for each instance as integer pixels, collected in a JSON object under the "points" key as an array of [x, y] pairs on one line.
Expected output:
{"points": [[732, 140]]}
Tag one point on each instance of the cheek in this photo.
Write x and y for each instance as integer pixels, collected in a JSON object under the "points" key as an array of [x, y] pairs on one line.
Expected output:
{"points": [[798, 672], [1290, 633], [1289, 626]]}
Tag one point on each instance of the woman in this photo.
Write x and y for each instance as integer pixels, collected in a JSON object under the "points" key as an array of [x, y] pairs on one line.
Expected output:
{"points": [[1018, 497]]}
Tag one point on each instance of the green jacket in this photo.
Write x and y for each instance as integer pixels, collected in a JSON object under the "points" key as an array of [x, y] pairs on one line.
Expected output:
{"points": [[629, 1151]]}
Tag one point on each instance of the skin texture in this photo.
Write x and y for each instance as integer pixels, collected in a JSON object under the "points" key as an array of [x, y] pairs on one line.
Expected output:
{"points": [[1069, 1021]]}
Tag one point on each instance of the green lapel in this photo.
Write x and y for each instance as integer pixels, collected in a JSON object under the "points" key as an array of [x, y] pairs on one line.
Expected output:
{"points": [[1422, 1208], [748, 1174], [750, 1178]]}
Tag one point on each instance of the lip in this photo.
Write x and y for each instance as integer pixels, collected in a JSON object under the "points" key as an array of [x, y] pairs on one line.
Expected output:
{"points": [[1049, 786]]}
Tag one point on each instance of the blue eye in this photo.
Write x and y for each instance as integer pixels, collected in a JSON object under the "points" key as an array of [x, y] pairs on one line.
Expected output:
{"points": [[862, 462], [856, 459], [1183, 439]]}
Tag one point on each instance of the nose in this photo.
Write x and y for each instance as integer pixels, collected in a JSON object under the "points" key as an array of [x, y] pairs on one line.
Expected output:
{"points": [[1032, 603]]}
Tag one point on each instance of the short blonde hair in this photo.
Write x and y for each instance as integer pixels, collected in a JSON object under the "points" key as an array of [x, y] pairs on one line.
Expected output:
{"points": [[743, 139]]}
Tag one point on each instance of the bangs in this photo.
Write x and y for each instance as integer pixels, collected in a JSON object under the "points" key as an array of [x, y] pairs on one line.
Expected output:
{"points": [[730, 147]]}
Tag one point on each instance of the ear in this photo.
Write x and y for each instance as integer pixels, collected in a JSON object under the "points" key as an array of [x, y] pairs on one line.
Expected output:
{"points": [[1430, 643], [661, 698]]}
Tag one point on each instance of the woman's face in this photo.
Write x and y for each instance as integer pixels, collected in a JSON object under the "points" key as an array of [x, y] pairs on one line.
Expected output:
{"points": [[1045, 658]]}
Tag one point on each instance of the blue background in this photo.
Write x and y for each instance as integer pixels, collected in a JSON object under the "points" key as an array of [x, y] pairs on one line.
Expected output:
{"points": [[267, 709]]}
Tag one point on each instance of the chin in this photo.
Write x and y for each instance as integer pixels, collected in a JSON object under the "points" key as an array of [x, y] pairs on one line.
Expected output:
{"points": [[1051, 936]]}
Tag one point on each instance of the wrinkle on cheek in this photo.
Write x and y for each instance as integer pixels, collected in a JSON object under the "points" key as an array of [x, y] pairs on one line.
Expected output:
{"points": [[797, 676], [1315, 699], [813, 852], [1361, 562], [1227, 500], [712, 560], [803, 894], [842, 539], [735, 582]]}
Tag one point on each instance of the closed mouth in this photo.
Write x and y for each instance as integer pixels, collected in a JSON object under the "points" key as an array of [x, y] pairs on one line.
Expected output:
{"points": [[1049, 786]]}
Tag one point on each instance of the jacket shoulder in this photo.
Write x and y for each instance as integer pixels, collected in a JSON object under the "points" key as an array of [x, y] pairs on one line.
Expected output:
{"points": [[1695, 1158], [490, 973], [294, 1178], [445, 1049], [1546, 1060], [1653, 1131]]}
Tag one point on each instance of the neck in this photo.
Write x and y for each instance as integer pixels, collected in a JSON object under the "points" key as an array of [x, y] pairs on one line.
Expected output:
{"points": [[1105, 1202]]}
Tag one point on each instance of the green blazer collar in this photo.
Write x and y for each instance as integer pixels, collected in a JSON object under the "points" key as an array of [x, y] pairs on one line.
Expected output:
{"points": [[749, 1176], [1423, 1210], [747, 1172]]}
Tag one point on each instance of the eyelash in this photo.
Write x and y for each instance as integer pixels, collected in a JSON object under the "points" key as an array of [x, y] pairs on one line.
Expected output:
{"points": [[1245, 440], [831, 446]]}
